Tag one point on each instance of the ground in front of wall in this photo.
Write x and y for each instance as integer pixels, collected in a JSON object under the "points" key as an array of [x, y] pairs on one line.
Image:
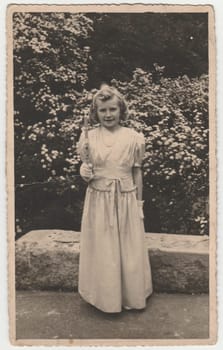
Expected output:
{"points": [[59, 315]]}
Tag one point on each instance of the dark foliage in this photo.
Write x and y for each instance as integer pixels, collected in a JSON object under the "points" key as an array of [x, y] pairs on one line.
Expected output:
{"points": [[55, 55], [122, 42]]}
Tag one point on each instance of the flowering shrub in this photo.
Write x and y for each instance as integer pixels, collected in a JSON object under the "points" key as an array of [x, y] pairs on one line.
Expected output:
{"points": [[47, 169], [50, 63], [173, 115], [49, 105], [50, 66]]}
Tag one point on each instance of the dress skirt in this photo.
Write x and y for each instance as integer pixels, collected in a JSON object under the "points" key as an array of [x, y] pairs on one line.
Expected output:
{"points": [[114, 269]]}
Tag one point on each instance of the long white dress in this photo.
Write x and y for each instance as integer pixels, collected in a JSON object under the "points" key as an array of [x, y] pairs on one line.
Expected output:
{"points": [[114, 269]]}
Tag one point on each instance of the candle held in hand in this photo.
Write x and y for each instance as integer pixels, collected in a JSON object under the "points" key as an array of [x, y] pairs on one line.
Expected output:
{"points": [[86, 151]]}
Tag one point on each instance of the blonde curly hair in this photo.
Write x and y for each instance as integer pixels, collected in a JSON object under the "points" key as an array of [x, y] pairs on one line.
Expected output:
{"points": [[106, 93]]}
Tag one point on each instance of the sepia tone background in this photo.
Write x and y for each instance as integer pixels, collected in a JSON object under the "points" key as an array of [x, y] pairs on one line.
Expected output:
{"points": [[159, 61], [175, 173]]}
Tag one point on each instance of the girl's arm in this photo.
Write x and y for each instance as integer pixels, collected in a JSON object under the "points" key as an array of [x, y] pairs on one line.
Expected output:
{"points": [[137, 179]]}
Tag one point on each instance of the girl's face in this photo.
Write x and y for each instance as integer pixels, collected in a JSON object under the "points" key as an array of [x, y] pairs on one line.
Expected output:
{"points": [[108, 113]]}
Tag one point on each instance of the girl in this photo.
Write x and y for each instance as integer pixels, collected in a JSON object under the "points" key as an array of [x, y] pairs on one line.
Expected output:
{"points": [[114, 269]]}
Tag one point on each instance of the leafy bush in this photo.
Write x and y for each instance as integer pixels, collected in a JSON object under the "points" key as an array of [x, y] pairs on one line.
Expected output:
{"points": [[50, 65], [50, 71], [173, 115], [121, 42], [47, 173]]}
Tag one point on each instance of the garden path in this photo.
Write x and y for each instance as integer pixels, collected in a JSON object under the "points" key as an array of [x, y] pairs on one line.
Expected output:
{"points": [[59, 315]]}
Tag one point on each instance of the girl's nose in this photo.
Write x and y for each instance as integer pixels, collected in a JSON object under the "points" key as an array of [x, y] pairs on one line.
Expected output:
{"points": [[107, 114]]}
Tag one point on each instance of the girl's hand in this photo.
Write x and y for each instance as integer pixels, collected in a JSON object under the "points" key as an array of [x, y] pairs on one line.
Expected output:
{"points": [[140, 207], [86, 172]]}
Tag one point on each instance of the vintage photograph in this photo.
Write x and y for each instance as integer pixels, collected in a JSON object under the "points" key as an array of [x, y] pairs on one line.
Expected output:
{"points": [[111, 174]]}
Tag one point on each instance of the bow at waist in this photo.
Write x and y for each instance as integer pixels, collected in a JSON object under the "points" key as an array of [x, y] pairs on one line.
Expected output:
{"points": [[106, 184], [105, 178], [112, 185]]}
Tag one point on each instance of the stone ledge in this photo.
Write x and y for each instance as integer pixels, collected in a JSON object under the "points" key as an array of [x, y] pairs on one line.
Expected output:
{"points": [[48, 260]]}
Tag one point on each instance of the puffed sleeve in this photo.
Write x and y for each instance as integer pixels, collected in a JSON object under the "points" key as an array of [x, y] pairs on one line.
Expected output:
{"points": [[139, 150]]}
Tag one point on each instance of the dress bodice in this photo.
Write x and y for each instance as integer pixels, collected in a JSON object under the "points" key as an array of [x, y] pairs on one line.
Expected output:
{"points": [[117, 159]]}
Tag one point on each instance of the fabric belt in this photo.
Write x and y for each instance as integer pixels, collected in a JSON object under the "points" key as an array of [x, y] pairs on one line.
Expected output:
{"points": [[112, 185]]}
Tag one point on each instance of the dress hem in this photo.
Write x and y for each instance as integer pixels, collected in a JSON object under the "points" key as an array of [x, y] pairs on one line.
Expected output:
{"points": [[122, 306]]}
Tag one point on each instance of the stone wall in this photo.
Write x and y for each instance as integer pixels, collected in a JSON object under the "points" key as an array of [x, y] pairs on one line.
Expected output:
{"points": [[48, 260]]}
